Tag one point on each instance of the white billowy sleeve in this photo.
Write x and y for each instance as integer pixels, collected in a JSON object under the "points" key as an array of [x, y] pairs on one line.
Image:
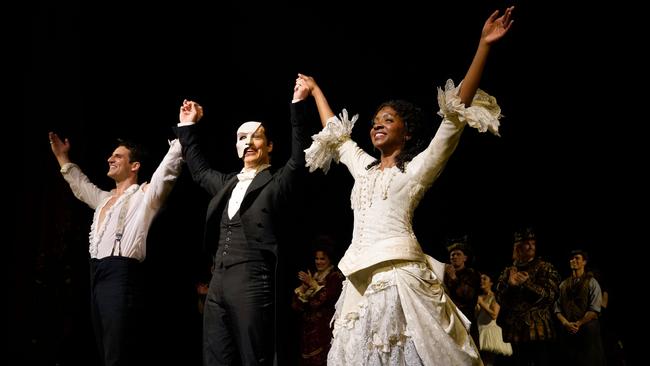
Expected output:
{"points": [[324, 147], [164, 177], [82, 187], [483, 114]]}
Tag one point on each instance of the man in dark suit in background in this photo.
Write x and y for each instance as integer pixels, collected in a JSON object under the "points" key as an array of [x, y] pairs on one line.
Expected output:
{"points": [[242, 224]]}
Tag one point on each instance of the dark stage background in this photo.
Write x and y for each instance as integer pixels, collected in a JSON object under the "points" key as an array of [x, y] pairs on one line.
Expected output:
{"points": [[98, 71]]}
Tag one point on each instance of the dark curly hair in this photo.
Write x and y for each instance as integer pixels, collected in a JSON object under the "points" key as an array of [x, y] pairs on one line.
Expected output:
{"points": [[415, 126], [327, 245]]}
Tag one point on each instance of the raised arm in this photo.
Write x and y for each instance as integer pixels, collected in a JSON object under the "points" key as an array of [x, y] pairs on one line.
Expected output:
{"points": [[333, 142], [324, 110], [299, 131], [164, 177], [209, 179], [81, 186], [493, 29], [286, 177]]}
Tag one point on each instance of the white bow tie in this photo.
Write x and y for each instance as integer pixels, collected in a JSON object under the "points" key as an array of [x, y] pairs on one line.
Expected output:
{"points": [[249, 175]]}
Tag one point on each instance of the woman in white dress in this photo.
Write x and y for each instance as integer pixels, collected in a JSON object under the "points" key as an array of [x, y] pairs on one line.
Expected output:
{"points": [[393, 309], [490, 334]]}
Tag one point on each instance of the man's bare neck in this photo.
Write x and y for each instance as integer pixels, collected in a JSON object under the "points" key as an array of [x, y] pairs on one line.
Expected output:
{"points": [[121, 187]]}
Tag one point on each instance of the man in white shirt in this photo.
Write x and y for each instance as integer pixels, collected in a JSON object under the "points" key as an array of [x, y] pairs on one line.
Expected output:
{"points": [[118, 238]]}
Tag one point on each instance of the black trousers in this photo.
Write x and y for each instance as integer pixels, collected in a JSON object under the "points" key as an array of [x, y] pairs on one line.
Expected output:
{"points": [[238, 316], [116, 308]]}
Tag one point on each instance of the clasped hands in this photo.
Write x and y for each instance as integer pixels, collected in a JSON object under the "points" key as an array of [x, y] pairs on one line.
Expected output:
{"points": [[516, 278], [307, 279]]}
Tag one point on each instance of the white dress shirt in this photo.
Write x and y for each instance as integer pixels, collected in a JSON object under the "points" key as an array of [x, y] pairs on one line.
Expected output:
{"points": [[143, 205], [245, 178]]}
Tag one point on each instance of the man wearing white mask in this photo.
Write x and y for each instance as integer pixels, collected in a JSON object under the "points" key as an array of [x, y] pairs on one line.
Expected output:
{"points": [[241, 235]]}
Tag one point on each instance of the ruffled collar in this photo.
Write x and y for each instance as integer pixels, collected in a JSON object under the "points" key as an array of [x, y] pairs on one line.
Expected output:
{"points": [[319, 276]]}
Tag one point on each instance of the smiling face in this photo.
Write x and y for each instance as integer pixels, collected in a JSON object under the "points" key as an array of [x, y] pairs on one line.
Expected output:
{"points": [[244, 135], [388, 132], [486, 282], [120, 166], [252, 144], [526, 250], [322, 260], [577, 262]]}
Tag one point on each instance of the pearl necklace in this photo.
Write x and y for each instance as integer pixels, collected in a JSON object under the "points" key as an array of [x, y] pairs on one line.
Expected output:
{"points": [[384, 184]]}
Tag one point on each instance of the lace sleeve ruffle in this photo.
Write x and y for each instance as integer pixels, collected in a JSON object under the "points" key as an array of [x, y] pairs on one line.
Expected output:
{"points": [[305, 295], [483, 114], [325, 144]]}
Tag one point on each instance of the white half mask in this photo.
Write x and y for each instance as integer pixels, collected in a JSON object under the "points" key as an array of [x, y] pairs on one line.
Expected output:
{"points": [[247, 129]]}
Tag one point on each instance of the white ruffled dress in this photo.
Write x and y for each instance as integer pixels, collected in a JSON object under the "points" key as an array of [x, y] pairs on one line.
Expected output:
{"points": [[490, 333], [393, 309]]}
